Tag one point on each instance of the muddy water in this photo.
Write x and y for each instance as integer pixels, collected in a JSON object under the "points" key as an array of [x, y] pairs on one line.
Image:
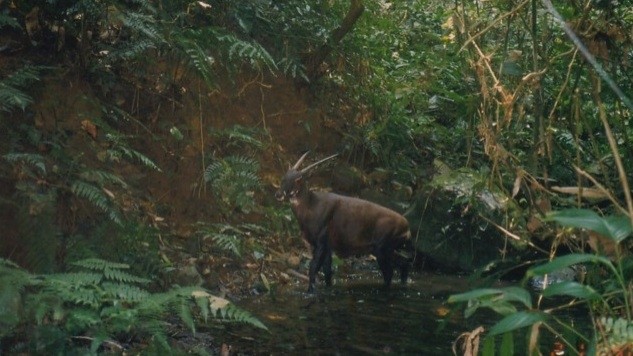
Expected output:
{"points": [[357, 316]]}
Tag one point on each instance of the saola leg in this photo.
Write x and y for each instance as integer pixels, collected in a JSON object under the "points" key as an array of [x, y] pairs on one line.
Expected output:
{"points": [[327, 267], [384, 257], [321, 253]]}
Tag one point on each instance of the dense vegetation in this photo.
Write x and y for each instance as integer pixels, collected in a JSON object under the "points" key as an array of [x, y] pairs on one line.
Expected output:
{"points": [[530, 99]]}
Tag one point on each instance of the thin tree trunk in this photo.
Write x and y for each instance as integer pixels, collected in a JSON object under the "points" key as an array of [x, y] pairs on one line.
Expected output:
{"points": [[314, 59]]}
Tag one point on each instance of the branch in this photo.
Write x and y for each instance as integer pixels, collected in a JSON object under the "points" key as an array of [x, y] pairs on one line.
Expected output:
{"points": [[314, 60]]}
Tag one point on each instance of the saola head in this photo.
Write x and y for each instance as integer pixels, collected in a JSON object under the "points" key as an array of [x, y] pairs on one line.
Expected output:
{"points": [[292, 182]]}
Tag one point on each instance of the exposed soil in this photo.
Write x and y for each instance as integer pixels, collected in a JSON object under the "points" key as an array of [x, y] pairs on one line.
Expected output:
{"points": [[289, 117]]}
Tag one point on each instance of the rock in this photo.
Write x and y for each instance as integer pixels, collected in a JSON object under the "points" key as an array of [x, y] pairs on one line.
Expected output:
{"points": [[572, 273], [447, 225]]}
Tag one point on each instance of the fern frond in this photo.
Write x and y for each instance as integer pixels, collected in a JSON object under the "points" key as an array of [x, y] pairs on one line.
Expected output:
{"points": [[6, 20], [76, 278], [236, 314], [239, 135], [234, 180], [141, 23], [33, 159], [12, 95], [80, 319], [97, 264], [121, 149], [132, 50], [68, 288], [97, 198], [224, 310], [120, 276], [102, 177], [200, 61], [251, 52], [126, 292], [227, 242], [294, 68]]}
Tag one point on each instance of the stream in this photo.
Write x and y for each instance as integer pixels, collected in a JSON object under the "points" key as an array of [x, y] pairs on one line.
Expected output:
{"points": [[357, 316]]}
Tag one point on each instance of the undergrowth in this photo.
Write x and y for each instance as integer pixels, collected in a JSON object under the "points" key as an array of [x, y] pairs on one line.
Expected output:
{"points": [[99, 306]]}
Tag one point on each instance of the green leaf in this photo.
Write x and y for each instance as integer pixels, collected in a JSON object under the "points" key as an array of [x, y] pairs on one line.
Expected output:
{"points": [[616, 228], [508, 294], [517, 321], [572, 289], [511, 68], [488, 348], [566, 261], [507, 344], [619, 227], [473, 294], [175, 132]]}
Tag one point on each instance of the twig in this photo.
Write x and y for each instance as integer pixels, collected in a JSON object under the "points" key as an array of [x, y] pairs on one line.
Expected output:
{"points": [[297, 274], [595, 92], [513, 236], [588, 56], [110, 343], [601, 188], [493, 23]]}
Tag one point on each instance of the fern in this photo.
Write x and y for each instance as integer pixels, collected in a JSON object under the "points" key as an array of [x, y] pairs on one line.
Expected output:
{"points": [[251, 52], [199, 60], [102, 177], [202, 45], [229, 237], [97, 264], [121, 149], [222, 309], [131, 50], [240, 136], [294, 68], [12, 95], [33, 159], [97, 198], [141, 23], [6, 20], [234, 180], [101, 305], [235, 314]]}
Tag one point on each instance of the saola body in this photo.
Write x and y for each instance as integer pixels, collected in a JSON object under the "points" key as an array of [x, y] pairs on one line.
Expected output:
{"points": [[344, 225]]}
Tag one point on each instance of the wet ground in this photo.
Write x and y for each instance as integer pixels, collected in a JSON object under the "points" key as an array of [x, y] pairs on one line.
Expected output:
{"points": [[357, 316]]}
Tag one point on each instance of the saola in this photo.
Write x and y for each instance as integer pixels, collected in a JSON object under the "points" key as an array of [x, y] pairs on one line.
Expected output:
{"points": [[344, 225]]}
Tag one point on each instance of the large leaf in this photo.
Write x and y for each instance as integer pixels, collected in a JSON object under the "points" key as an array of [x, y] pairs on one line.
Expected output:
{"points": [[571, 289], [507, 344], [508, 294], [517, 321], [566, 261], [616, 228]]}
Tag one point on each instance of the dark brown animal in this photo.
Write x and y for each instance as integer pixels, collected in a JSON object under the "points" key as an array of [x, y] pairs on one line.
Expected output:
{"points": [[344, 225]]}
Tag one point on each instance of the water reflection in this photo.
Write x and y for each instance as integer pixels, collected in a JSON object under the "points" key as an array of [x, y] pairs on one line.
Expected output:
{"points": [[358, 317]]}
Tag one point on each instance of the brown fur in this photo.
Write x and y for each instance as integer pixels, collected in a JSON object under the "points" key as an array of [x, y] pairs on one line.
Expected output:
{"points": [[346, 226]]}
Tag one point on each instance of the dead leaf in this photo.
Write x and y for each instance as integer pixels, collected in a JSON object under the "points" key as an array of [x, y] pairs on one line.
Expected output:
{"points": [[204, 5], [225, 350], [217, 303], [517, 184], [275, 317], [585, 193], [90, 128]]}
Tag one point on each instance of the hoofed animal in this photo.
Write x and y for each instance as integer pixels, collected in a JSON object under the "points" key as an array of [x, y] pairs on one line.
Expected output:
{"points": [[344, 225]]}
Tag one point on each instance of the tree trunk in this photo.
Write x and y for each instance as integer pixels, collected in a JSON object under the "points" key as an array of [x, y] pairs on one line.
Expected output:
{"points": [[314, 60]]}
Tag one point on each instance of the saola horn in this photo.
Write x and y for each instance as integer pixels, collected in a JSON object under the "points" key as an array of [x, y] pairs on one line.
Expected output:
{"points": [[316, 163], [300, 161]]}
